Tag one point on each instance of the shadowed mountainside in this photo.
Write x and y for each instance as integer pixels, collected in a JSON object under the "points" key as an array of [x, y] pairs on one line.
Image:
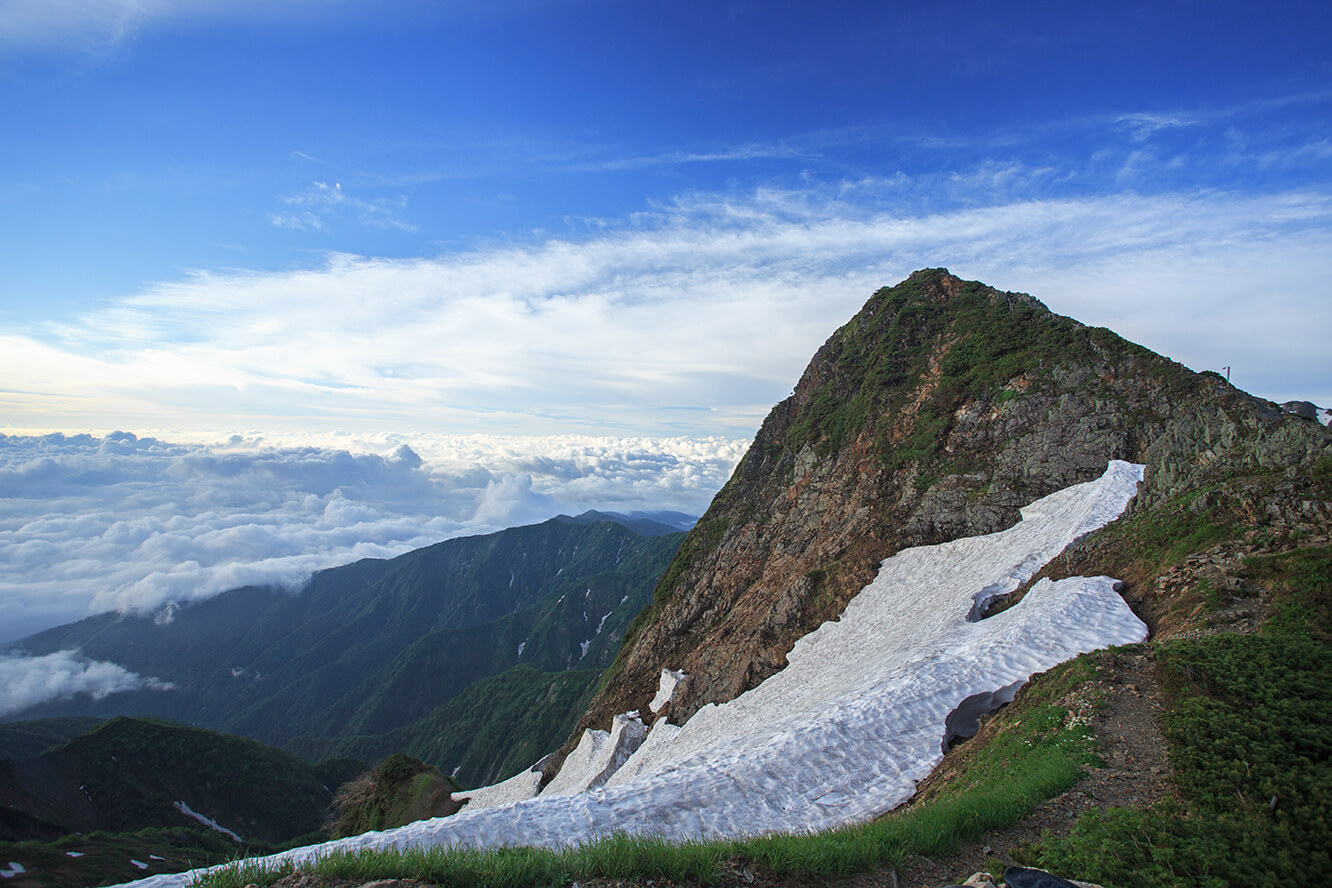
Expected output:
{"points": [[128, 774], [377, 646]]}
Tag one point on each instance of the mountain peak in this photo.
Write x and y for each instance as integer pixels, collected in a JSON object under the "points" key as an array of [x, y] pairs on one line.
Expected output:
{"points": [[938, 284], [939, 410]]}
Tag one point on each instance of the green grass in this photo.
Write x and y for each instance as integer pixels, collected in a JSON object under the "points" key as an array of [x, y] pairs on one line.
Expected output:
{"points": [[1173, 530], [1041, 754], [103, 858], [617, 857], [1252, 760], [1301, 583]]}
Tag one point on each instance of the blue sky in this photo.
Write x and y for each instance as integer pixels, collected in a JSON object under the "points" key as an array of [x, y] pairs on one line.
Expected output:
{"points": [[628, 218], [569, 254]]}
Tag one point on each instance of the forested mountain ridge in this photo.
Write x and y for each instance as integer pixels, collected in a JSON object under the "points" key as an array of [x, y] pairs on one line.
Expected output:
{"points": [[377, 645]]}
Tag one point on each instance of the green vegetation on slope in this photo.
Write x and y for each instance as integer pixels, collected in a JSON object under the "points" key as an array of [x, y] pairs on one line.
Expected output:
{"points": [[136, 769], [129, 774], [451, 614], [1253, 761], [101, 807], [991, 339], [496, 728], [397, 791], [102, 858], [589, 597], [372, 646], [1301, 583], [25, 739]]}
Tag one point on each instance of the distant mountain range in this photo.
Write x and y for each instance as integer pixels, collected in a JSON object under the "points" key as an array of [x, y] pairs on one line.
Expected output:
{"points": [[365, 655]]}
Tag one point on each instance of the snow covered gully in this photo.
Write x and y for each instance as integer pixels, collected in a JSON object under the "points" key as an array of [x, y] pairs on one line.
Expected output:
{"points": [[861, 713]]}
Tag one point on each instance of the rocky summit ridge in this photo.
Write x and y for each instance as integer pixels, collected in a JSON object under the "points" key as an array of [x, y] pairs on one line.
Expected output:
{"points": [[935, 413]]}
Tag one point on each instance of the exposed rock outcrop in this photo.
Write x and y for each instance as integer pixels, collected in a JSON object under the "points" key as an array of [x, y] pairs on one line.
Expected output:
{"points": [[935, 413]]}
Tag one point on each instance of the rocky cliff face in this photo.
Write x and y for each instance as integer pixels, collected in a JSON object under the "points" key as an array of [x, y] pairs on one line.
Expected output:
{"points": [[939, 410]]}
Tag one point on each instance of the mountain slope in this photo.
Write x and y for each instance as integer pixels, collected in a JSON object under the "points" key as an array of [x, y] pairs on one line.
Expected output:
{"points": [[497, 727], [26, 739], [128, 774], [889, 442], [375, 645], [936, 412]]}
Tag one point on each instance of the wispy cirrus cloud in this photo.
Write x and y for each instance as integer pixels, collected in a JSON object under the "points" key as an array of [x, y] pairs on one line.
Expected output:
{"points": [[102, 27], [749, 151], [320, 201], [91, 24], [690, 319]]}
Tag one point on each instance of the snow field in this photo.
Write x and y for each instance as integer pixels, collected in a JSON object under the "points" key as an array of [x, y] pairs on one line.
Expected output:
{"points": [[848, 728]]}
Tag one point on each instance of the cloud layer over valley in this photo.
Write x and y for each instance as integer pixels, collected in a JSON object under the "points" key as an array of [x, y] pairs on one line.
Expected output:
{"points": [[130, 523], [27, 681]]}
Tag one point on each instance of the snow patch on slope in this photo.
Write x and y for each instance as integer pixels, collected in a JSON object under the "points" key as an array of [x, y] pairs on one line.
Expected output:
{"points": [[598, 755], [860, 713], [518, 787], [670, 680], [205, 820]]}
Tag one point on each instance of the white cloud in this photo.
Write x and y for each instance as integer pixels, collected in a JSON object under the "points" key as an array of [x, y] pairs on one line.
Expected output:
{"points": [[131, 523], [331, 200], [27, 681], [749, 151], [691, 319], [665, 338], [74, 22]]}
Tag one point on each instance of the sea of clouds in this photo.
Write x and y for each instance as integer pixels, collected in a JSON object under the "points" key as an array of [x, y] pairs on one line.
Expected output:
{"points": [[130, 523]]}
